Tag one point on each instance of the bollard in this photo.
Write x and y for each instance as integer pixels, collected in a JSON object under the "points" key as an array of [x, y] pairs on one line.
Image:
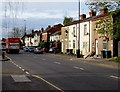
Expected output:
{"points": [[3, 55]]}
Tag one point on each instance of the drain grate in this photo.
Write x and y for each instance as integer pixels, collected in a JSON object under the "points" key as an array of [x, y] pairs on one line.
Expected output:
{"points": [[20, 78]]}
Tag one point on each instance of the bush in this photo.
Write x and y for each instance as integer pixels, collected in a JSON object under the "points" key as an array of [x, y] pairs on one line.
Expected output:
{"points": [[116, 59]]}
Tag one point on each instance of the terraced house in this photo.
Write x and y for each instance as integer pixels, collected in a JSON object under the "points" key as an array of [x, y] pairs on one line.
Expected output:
{"points": [[91, 43]]}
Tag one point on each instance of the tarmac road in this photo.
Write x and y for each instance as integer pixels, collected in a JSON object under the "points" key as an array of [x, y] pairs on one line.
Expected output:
{"points": [[59, 74]]}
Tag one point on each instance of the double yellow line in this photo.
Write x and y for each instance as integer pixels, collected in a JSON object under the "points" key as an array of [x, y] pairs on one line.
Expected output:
{"points": [[48, 82]]}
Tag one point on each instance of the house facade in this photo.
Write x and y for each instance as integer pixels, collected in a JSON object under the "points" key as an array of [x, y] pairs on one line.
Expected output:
{"points": [[90, 41]]}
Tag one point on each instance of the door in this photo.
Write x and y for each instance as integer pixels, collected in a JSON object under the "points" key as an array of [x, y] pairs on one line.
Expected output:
{"points": [[96, 46]]}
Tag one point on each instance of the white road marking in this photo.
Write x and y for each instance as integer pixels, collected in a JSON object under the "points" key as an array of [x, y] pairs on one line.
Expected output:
{"points": [[23, 69], [57, 62], [27, 72], [116, 77], [78, 68], [9, 58], [20, 67], [43, 59], [81, 69]]}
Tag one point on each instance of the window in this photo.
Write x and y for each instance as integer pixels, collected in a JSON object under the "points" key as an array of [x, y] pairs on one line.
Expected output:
{"points": [[85, 29], [66, 32], [69, 43], [73, 43], [85, 44], [74, 31], [104, 44]]}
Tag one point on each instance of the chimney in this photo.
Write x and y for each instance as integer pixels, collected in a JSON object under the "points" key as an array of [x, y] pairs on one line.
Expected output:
{"points": [[42, 29], [92, 13], [32, 31], [103, 11], [83, 16]]}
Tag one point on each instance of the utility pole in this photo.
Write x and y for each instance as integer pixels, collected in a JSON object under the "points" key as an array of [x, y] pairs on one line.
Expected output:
{"points": [[78, 51], [25, 28]]}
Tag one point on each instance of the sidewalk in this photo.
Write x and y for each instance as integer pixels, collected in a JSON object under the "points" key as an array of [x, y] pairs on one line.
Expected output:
{"points": [[90, 60]]}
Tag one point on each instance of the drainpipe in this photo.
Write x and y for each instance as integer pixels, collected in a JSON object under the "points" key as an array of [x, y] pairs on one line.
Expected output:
{"points": [[89, 36]]}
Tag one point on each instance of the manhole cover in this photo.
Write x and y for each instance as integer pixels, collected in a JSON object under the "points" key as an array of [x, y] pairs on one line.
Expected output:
{"points": [[20, 78]]}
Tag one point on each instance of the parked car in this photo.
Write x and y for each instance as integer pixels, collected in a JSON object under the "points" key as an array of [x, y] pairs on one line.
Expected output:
{"points": [[38, 50], [26, 49], [54, 50], [31, 49]]}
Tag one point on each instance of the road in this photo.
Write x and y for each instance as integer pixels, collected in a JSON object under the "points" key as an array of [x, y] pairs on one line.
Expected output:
{"points": [[62, 74]]}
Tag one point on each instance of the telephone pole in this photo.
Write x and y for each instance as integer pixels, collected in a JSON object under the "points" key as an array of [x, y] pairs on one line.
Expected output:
{"points": [[78, 51]]}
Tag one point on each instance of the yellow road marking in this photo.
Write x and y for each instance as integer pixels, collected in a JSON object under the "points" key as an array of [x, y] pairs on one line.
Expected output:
{"points": [[48, 82]]}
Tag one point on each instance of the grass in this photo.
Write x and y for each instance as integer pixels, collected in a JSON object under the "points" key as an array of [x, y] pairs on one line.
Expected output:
{"points": [[115, 59]]}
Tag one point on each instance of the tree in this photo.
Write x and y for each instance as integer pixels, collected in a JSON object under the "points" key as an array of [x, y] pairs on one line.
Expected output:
{"points": [[67, 20], [41, 44], [107, 27], [16, 32]]}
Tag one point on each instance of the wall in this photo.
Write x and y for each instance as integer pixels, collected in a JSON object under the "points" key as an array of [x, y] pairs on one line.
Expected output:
{"points": [[119, 49]]}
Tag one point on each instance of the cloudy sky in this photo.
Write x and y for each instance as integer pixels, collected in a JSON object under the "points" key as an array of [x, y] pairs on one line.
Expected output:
{"points": [[38, 14]]}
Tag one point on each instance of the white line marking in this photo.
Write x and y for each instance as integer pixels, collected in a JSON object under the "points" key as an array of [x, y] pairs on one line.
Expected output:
{"points": [[71, 59], [27, 72], [116, 77], [17, 65], [78, 68], [43, 59], [81, 69], [23, 69], [57, 62], [20, 67], [8, 57]]}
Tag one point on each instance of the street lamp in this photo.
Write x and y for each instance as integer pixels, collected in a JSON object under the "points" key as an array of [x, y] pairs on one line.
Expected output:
{"points": [[25, 27], [78, 51]]}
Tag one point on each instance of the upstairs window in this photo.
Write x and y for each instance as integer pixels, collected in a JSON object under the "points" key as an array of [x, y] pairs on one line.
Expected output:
{"points": [[74, 31], [85, 29]]}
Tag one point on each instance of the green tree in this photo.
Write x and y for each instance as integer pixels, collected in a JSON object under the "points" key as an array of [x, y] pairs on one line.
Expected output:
{"points": [[41, 44], [67, 20], [107, 27]]}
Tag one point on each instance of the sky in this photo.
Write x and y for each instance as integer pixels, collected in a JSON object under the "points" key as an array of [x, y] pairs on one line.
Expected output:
{"points": [[37, 15]]}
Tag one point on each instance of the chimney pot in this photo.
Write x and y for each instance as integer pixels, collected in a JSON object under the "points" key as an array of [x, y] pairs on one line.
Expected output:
{"points": [[92, 13], [103, 11], [83, 16]]}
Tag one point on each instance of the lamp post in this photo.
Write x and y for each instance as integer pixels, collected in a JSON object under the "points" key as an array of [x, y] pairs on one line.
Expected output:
{"points": [[78, 50], [25, 28]]}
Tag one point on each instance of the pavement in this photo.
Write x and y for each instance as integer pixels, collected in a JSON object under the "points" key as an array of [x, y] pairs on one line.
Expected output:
{"points": [[90, 60]]}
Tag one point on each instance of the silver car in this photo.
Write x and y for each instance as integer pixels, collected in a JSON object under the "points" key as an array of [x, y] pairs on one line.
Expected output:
{"points": [[38, 50]]}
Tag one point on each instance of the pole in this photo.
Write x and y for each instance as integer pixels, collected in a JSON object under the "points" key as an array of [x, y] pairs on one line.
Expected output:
{"points": [[78, 51], [25, 27]]}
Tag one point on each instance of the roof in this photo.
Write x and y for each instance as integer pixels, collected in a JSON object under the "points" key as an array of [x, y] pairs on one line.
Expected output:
{"points": [[89, 19]]}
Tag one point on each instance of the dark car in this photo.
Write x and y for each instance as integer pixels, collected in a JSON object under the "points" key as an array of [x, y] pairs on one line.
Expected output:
{"points": [[38, 50], [31, 49]]}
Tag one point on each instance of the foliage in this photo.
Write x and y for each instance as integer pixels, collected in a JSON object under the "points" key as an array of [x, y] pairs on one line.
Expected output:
{"points": [[107, 27], [67, 20], [116, 59], [16, 32], [96, 5], [41, 44]]}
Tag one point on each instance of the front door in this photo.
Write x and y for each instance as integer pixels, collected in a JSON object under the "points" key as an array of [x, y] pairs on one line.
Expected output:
{"points": [[96, 46]]}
